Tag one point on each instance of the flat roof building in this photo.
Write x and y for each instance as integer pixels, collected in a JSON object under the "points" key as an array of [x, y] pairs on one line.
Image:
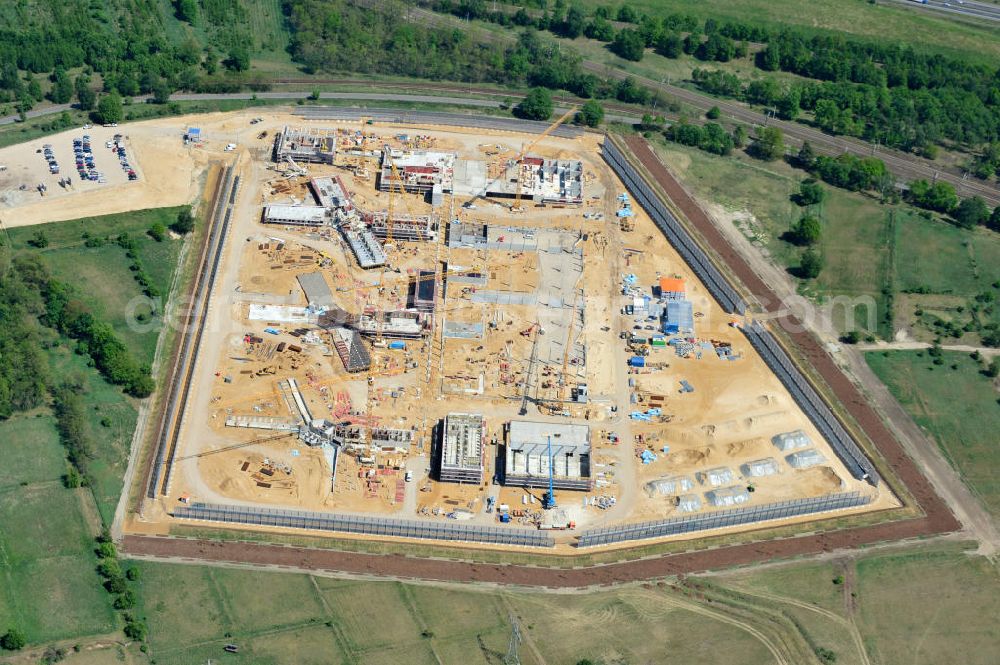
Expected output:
{"points": [[526, 457], [679, 317], [462, 454], [297, 215], [306, 145], [330, 191]]}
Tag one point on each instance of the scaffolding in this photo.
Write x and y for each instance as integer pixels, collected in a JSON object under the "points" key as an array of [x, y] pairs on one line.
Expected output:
{"points": [[462, 451]]}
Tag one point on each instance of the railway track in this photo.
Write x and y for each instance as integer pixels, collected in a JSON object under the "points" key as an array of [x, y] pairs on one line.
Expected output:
{"points": [[903, 166]]}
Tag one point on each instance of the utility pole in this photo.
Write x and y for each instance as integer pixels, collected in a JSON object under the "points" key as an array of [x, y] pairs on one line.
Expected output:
{"points": [[512, 658]]}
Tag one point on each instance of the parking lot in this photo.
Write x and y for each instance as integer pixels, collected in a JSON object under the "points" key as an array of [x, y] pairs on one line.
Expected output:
{"points": [[76, 161]]}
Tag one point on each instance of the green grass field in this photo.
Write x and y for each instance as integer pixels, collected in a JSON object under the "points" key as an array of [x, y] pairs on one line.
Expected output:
{"points": [[292, 618], [958, 407], [926, 605], [48, 587], [931, 607], [855, 227], [107, 284], [922, 30]]}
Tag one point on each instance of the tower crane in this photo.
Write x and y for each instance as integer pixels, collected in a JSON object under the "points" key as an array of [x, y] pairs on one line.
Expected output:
{"points": [[524, 151], [520, 157]]}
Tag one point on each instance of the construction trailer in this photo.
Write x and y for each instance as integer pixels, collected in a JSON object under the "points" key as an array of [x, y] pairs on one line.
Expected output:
{"points": [[527, 458], [417, 171], [672, 288], [461, 454], [296, 215], [351, 349], [313, 145]]}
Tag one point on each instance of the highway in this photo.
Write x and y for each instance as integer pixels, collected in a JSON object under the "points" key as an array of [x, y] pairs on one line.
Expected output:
{"points": [[957, 8]]}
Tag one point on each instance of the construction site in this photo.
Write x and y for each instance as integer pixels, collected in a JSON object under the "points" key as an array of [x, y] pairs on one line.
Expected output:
{"points": [[492, 335]]}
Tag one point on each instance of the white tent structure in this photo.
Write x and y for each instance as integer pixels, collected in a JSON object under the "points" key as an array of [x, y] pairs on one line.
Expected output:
{"points": [[761, 467], [716, 477], [791, 440], [804, 459]]}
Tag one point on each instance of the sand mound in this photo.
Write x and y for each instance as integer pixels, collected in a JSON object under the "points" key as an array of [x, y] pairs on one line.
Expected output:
{"points": [[693, 456], [747, 447], [823, 478]]}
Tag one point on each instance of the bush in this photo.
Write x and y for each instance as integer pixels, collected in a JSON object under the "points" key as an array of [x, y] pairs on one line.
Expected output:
{"points": [[768, 145], [810, 193], [810, 265], [13, 640], [125, 601], [157, 231], [590, 114], [629, 44], [536, 106], [39, 240], [713, 113]]}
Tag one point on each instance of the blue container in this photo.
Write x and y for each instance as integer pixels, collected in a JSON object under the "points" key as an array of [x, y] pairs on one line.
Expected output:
{"points": [[637, 361], [399, 346], [505, 518]]}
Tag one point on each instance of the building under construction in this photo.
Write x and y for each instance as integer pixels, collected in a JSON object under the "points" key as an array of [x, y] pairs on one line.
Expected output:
{"points": [[416, 171], [404, 227], [317, 146], [423, 291], [331, 192], [527, 455], [364, 246], [351, 350], [461, 450], [296, 215], [555, 181], [403, 324]]}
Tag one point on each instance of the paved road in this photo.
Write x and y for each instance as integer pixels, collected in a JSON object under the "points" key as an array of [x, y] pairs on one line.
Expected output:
{"points": [[917, 346], [903, 166], [967, 9]]}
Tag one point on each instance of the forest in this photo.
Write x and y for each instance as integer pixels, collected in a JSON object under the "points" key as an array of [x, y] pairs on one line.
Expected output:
{"points": [[880, 91]]}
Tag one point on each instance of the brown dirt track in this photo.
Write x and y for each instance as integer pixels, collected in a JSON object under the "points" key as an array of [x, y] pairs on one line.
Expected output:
{"points": [[937, 517]]}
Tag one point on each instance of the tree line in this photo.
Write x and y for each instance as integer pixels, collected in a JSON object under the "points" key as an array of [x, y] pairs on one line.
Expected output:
{"points": [[876, 90]]}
